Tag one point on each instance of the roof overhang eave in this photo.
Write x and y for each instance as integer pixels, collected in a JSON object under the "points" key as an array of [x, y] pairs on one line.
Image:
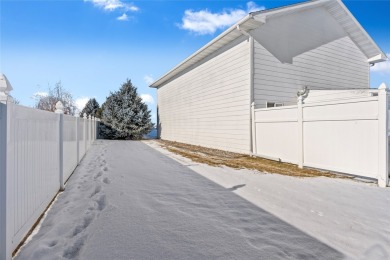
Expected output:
{"points": [[381, 56]]}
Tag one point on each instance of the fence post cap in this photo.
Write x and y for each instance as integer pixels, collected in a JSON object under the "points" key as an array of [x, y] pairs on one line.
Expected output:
{"points": [[59, 108], [85, 115], [5, 88], [89, 117], [382, 86], [302, 94]]}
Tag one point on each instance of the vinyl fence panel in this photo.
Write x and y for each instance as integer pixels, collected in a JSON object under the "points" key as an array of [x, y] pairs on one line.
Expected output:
{"points": [[69, 145], [81, 136], [336, 130], [39, 150], [342, 136], [273, 123], [32, 166], [87, 133]]}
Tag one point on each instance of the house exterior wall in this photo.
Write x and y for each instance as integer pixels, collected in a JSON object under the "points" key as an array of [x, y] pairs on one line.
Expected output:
{"points": [[209, 103], [336, 65]]}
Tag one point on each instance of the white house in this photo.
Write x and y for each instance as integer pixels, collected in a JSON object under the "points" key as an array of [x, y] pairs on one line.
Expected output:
{"points": [[264, 59]]}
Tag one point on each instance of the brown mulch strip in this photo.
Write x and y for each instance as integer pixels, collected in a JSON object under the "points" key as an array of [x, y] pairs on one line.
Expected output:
{"points": [[216, 157]]}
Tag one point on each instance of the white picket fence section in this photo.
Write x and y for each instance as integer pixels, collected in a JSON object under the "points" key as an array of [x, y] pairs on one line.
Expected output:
{"points": [[344, 131], [81, 138], [70, 144], [39, 150]]}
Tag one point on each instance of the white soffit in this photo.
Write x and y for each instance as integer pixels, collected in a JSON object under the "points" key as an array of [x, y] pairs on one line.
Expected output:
{"points": [[289, 31], [294, 33], [355, 31]]}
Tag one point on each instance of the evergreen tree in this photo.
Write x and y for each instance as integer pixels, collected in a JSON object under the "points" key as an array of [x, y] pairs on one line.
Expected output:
{"points": [[124, 115], [91, 108], [100, 111]]}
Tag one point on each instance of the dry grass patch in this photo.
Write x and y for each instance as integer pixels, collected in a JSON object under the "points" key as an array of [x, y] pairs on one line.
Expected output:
{"points": [[216, 157]]}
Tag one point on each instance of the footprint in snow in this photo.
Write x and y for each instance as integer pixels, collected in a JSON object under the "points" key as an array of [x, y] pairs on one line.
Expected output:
{"points": [[106, 180], [81, 227], [96, 191], [100, 173], [101, 202], [52, 243], [73, 251]]}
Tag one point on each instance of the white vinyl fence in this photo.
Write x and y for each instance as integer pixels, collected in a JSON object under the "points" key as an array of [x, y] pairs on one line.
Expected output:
{"points": [[338, 130], [39, 150]]}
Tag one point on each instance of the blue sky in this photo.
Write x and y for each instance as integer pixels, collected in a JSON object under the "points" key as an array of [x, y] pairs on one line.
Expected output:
{"points": [[92, 46]]}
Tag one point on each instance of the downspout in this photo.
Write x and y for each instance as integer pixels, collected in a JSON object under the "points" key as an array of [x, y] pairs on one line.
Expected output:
{"points": [[158, 118], [252, 97], [252, 137]]}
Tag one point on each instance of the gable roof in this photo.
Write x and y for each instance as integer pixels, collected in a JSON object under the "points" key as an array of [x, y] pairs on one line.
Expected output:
{"points": [[266, 27]]}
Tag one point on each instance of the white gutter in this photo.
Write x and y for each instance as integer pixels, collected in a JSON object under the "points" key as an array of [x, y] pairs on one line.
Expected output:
{"points": [[378, 58]]}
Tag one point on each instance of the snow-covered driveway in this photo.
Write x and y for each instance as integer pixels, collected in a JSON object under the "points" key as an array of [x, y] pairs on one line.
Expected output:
{"points": [[129, 201]]}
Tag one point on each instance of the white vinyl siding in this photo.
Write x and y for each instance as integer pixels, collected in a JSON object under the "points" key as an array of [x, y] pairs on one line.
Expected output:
{"points": [[336, 65], [208, 104]]}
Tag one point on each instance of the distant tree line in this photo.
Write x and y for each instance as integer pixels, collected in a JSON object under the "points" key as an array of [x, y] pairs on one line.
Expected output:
{"points": [[49, 100]]}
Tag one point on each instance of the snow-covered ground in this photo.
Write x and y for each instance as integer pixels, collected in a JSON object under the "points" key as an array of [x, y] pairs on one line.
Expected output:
{"points": [[350, 216], [129, 200]]}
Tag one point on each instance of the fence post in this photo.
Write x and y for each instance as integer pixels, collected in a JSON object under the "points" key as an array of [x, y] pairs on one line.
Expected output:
{"points": [[77, 138], [60, 112], [300, 132], [92, 128], [92, 120], [89, 130], [254, 145], [5, 185], [85, 132], [97, 127], [383, 159]]}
